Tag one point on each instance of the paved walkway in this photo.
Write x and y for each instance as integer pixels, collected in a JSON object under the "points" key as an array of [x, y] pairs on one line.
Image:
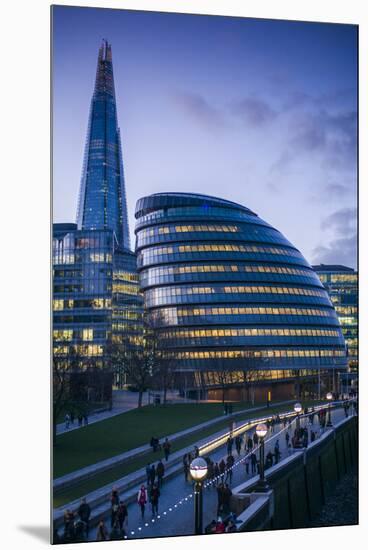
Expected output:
{"points": [[176, 516]]}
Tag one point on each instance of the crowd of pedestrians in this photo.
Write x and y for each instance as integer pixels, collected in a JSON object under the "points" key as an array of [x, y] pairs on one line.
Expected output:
{"points": [[70, 418]]}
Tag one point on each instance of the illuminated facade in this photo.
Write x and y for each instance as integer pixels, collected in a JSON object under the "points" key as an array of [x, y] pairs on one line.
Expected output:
{"points": [[341, 283], [96, 299], [231, 298]]}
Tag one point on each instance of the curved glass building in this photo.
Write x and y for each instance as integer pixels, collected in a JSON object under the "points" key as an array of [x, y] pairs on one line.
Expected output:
{"points": [[233, 300]]}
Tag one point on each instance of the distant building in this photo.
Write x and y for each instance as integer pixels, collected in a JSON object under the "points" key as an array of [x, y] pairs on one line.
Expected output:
{"points": [[235, 303], [341, 283], [95, 287]]}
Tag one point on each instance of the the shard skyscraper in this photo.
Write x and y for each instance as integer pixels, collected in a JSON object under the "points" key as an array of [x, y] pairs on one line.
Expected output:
{"points": [[96, 298], [102, 198]]}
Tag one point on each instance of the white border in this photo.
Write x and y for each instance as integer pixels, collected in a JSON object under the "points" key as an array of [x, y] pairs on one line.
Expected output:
{"points": [[25, 218]]}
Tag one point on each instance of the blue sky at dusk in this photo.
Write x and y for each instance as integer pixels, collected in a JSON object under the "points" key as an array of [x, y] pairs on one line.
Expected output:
{"points": [[259, 112]]}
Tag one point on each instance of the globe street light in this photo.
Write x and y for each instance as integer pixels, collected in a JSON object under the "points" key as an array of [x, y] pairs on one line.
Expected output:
{"points": [[329, 397], [262, 485], [298, 409], [198, 471]]}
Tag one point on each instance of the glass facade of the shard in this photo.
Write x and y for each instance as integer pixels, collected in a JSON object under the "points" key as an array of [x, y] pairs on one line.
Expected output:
{"points": [[234, 301], [96, 299], [102, 199]]}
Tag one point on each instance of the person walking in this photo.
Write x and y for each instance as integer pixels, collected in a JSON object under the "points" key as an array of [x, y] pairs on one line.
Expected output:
{"points": [[222, 467], [287, 438], [238, 444], [67, 421], [276, 452], [102, 533], [250, 444], [154, 497], [142, 499], [115, 501], [186, 466], [229, 468], [69, 532], [247, 462], [122, 515], [229, 445], [148, 474], [253, 461], [84, 512], [160, 472], [166, 446], [153, 474], [255, 439]]}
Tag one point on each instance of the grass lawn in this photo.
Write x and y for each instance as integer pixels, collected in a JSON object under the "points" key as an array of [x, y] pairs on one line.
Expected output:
{"points": [[101, 479], [110, 437]]}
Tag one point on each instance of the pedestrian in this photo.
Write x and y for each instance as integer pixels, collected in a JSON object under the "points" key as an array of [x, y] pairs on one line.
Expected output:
{"points": [[226, 496], [277, 452], [253, 461], [229, 445], [255, 439], [79, 531], [69, 531], [250, 444], [155, 495], [122, 515], [220, 498], [238, 443], [269, 460], [67, 421], [153, 474], [287, 437], [115, 533], [115, 501], [102, 533], [229, 468], [80, 420], [247, 461], [160, 472], [166, 447], [220, 526], [186, 466], [148, 474], [216, 473], [142, 499], [84, 512], [222, 467]]}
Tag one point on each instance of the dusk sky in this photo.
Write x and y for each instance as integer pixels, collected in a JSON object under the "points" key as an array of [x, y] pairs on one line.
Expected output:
{"points": [[259, 112]]}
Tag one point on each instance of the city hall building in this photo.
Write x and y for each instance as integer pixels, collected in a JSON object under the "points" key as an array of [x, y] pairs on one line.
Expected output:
{"points": [[236, 306]]}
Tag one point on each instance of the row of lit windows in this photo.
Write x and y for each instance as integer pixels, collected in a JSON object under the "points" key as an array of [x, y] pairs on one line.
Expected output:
{"points": [[125, 276], [233, 377], [210, 333], [90, 350], [96, 303], [338, 278], [177, 270], [160, 250], [100, 257], [346, 310], [167, 292], [122, 288], [67, 335], [249, 311], [150, 232], [238, 354]]}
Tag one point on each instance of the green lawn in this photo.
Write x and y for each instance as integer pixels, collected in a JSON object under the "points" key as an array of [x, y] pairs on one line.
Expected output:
{"points": [[79, 448], [101, 479]]}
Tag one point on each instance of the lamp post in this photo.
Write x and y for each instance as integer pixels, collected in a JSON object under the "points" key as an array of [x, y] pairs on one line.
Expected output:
{"points": [[298, 409], [329, 397], [198, 471], [262, 485]]}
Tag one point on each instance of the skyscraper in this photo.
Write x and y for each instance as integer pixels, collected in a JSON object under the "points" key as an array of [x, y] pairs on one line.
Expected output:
{"points": [[96, 297], [102, 198]]}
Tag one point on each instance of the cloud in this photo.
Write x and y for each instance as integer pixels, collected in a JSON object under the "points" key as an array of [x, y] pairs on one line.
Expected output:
{"points": [[198, 108], [253, 111], [339, 251], [342, 221]]}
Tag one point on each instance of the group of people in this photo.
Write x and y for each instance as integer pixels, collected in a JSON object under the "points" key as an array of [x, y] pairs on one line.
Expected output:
{"points": [[76, 525], [70, 418], [157, 446], [227, 525]]}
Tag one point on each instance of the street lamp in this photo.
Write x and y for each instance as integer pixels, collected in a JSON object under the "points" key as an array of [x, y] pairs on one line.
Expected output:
{"points": [[298, 409], [198, 470], [262, 485], [329, 397]]}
